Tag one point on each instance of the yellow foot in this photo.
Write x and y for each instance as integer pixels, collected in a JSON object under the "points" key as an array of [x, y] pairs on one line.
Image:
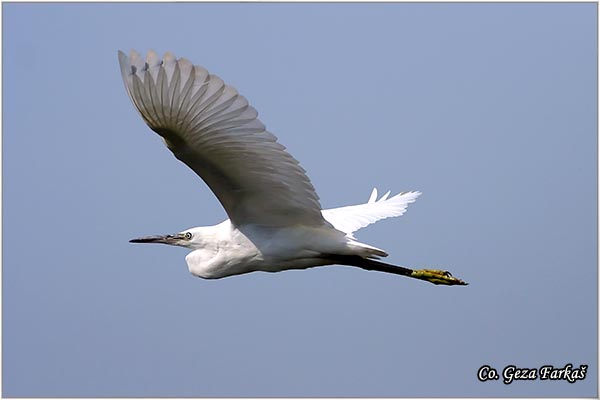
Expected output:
{"points": [[437, 277]]}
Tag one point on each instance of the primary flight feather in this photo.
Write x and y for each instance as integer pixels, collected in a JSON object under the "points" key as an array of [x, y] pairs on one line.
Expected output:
{"points": [[275, 219]]}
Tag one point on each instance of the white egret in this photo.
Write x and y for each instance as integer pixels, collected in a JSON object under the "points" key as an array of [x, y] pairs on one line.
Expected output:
{"points": [[275, 218]]}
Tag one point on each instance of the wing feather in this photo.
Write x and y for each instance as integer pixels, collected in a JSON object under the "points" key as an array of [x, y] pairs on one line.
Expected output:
{"points": [[352, 218], [214, 130]]}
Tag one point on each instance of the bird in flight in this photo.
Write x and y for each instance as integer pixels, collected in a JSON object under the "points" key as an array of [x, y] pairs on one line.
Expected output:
{"points": [[275, 220]]}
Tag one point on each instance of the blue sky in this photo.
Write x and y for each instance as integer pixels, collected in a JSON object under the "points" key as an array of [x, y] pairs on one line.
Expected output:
{"points": [[489, 109]]}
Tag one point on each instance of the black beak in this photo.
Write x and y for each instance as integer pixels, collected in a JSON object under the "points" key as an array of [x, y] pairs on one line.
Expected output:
{"points": [[166, 239]]}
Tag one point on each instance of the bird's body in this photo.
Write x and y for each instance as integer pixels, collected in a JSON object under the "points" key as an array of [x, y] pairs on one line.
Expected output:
{"points": [[224, 250], [275, 218]]}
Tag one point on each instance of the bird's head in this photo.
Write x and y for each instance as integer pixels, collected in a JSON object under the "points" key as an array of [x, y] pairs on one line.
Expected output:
{"points": [[188, 238]]}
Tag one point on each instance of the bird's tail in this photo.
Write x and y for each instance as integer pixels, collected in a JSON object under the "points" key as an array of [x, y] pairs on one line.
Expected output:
{"points": [[437, 277], [365, 250]]}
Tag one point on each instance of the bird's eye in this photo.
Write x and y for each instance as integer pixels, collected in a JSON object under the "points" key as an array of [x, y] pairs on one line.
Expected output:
{"points": [[188, 235]]}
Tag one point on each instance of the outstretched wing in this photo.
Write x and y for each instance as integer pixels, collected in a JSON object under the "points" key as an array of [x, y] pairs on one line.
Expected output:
{"points": [[351, 218], [215, 132]]}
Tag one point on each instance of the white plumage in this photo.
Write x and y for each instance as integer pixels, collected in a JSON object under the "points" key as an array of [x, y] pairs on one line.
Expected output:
{"points": [[349, 219], [275, 218], [213, 129]]}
